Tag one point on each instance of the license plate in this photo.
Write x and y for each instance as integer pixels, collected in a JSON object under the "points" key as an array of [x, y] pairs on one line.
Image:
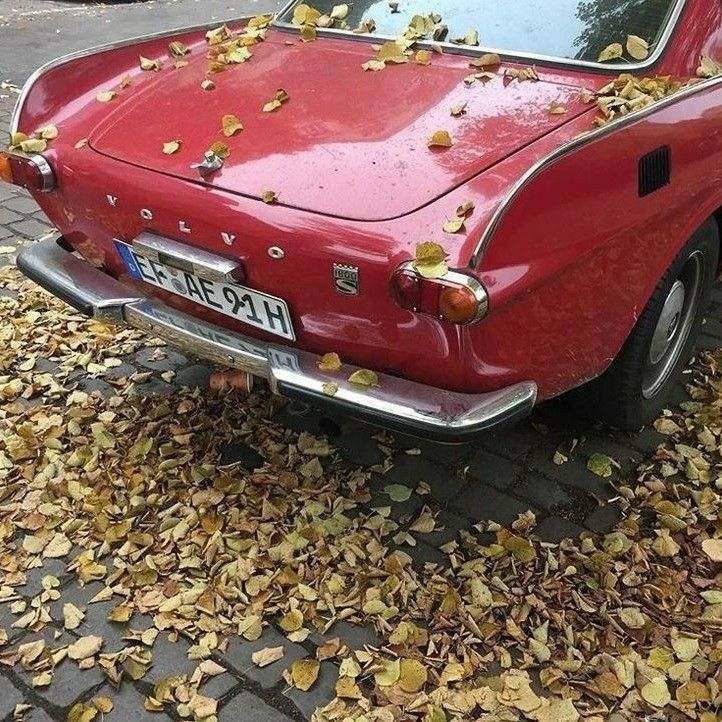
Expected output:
{"points": [[239, 302]]}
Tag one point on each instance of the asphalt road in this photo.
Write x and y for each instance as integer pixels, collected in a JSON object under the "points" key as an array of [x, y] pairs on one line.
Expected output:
{"points": [[497, 477]]}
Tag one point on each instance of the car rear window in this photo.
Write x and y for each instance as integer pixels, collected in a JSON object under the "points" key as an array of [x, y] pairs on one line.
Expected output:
{"points": [[571, 29]]}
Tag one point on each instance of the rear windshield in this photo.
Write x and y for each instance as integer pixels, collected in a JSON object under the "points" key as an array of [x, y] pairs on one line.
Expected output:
{"points": [[572, 29]]}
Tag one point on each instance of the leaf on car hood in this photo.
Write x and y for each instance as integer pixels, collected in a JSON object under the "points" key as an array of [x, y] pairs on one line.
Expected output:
{"points": [[278, 100], [220, 149], [148, 64], [305, 15], [440, 139], [230, 125], [269, 196], [177, 49], [105, 96], [172, 146], [487, 60]]}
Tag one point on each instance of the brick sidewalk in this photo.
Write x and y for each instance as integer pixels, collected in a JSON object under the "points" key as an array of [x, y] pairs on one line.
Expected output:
{"points": [[502, 474]]}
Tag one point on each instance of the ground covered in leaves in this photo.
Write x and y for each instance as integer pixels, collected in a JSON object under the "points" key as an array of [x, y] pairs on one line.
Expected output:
{"points": [[131, 492]]}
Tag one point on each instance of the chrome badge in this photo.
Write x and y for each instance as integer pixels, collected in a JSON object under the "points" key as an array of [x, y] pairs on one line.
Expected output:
{"points": [[346, 279]]}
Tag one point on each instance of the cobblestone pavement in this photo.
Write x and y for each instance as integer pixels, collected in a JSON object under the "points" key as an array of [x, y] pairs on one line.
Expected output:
{"points": [[502, 474]]}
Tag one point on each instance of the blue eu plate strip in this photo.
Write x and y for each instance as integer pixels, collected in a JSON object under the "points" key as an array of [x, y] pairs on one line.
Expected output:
{"points": [[128, 259]]}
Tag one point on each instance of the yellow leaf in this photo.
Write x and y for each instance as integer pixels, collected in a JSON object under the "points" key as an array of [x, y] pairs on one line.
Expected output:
{"points": [[305, 15], [329, 362], [412, 675], [269, 196], [556, 108], [330, 388], [430, 261], [220, 149], [713, 549], [172, 146], [105, 96], [121, 613], [465, 208], [177, 49], [389, 673], [267, 655], [304, 672], [454, 225], [423, 57], [441, 139], [656, 693], [103, 704], [364, 377], [49, 132], [487, 60], [148, 64], [459, 110], [85, 647], [637, 47], [72, 616], [346, 688], [392, 52], [230, 125], [292, 621], [685, 648], [279, 98], [611, 52], [33, 145], [373, 65], [339, 12], [307, 33]]}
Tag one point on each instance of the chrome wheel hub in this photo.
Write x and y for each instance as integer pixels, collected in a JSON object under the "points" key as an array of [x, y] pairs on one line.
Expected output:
{"points": [[673, 326]]}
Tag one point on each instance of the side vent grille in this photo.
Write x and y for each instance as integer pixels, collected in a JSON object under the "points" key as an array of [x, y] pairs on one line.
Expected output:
{"points": [[654, 171]]}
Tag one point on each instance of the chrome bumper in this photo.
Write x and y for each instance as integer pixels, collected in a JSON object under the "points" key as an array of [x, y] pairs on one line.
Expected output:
{"points": [[395, 403]]}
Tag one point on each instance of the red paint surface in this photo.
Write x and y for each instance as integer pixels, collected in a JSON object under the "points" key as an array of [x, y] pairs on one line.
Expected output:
{"points": [[568, 270]]}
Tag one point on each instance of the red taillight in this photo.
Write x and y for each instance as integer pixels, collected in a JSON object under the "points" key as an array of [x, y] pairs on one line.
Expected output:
{"points": [[31, 172], [456, 297]]}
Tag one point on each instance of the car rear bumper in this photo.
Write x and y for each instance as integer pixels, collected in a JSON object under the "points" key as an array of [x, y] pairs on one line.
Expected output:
{"points": [[394, 403]]}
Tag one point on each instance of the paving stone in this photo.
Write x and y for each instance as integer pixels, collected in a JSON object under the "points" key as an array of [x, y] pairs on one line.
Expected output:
{"points": [[9, 697], [480, 502], [242, 454], [128, 705], [161, 358], [409, 470], [34, 577], [97, 385], [422, 554], [246, 707], [322, 692], [356, 444], [6, 233], [196, 376], [541, 492], [452, 524], [400, 510], [69, 683], [450, 454], [154, 387], [603, 519], [491, 469], [7, 216], [240, 650], [21, 204], [354, 636], [169, 659], [8, 192], [513, 442], [555, 529], [219, 686], [38, 715], [298, 416], [571, 473], [30, 228]]}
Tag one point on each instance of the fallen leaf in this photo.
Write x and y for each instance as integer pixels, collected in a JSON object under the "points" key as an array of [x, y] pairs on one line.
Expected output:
{"points": [[713, 549], [105, 96], [172, 146], [85, 647], [423, 57], [230, 125], [611, 52], [656, 693], [637, 47], [329, 362], [398, 492], [269, 197], [412, 675], [440, 139], [148, 64], [304, 673], [278, 100], [430, 261], [267, 655], [364, 377]]}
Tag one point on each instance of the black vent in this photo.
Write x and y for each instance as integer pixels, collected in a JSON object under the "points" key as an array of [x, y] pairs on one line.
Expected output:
{"points": [[654, 171]]}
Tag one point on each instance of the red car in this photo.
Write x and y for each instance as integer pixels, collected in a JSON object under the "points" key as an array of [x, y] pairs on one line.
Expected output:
{"points": [[473, 221]]}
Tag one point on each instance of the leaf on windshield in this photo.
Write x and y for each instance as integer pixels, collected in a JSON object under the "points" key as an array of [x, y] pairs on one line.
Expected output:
{"points": [[611, 52], [105, 96], [556, 108], [148, 64], [440, 139], [279, 99], [637, 47], [220, 149], [471, 38], [177, 49], [459, 109], [392, 52], [339, 12], [172, 146], [522, 74], [230, 125], [430, 261], [269, 196], [487, 60], [423, 57], [307, 33], [305, 15], [373, 65]]}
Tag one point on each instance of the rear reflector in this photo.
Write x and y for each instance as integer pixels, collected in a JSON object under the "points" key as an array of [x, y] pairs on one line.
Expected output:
{"points": [[31, 172], [456, 297]]}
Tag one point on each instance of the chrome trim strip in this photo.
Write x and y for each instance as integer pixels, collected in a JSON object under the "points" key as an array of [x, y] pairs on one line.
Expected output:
{"points": [[188, 258], [96, 49], [394, 402], [460, 279], [455, 49], [46, 172], [572, 145]]}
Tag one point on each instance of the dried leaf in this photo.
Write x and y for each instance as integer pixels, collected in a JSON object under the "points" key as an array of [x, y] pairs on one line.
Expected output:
{"points": [[85, 647], [269, 196], [304, 673], [637, 47], [267, 655], [430, 261], [398, 492], [172, 146], [230, 125], [105, 96], [364, 377], [148, 64], [440, 139], [713, 549], [330, 362], [611, 52]]}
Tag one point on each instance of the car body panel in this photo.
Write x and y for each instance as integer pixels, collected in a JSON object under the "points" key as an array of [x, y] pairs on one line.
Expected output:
{"points": [[573, 257]]}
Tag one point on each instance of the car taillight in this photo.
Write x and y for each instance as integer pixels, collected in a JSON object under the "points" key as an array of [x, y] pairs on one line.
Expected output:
{"points": [[456, 297], [32, 172]]}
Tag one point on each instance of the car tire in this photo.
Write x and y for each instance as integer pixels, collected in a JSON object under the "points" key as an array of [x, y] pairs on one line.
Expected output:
{"points": [[634, 389]]}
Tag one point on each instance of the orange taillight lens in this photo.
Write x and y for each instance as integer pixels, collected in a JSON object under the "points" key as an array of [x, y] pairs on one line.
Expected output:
{"points": [[6, 171], [458, 304]]}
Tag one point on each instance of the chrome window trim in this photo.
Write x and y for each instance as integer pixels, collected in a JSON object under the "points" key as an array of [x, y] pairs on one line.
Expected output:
{"points": [[508, 55], [97, 49], [572, 145]]}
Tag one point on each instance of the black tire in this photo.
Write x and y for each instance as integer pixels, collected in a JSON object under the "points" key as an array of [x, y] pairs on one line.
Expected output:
{"points": [[633, 390]]}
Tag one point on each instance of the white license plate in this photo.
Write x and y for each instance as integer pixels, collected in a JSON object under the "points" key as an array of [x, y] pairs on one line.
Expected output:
{"points": [[243, 304]]}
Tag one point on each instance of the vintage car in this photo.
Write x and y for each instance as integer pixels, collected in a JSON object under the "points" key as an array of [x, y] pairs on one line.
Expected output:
{"points": [[432, 220]]}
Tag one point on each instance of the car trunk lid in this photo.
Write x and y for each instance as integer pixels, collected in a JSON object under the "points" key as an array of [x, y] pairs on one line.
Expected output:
{"points": [[347, 143]]}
